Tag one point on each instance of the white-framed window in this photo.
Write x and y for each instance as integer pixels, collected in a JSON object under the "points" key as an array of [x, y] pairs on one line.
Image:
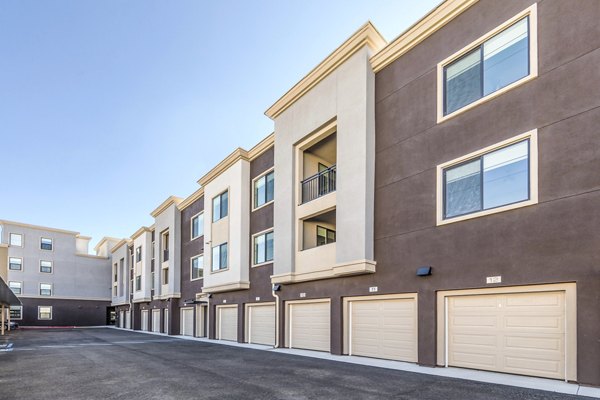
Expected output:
{"points": [[197, 225], [493, 64], [16, 287], [263, 248], [45, 289], [46, 266], [138, 254], [46, 243], [16, 312], [16, 239], [219, 257], [15, 263], [165, 245], [165, 276], [264, 189], [45, 312], [220, 206], [495, 179], [197, 267]]}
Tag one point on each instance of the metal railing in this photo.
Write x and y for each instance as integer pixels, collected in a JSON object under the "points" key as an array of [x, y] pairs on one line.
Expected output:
{"points": [[319, 185]]}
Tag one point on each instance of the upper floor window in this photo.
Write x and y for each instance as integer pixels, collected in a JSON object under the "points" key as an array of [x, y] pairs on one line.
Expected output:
{"points": [[263, 248], [138, 254], [15, 263], [46, 244], [197, 265], [501, 59], [219, 257], [264, 189], [16, 287], [325, 236], [45, 289], [115, 273], [46, 266], [165, 246], [138, 283], [16, 239], [16, 312], [220, 206], [197, 225], [495, 179]]}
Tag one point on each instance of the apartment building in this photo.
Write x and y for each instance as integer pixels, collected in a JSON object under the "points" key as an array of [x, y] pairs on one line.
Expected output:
{"points": [[430, 200], [56, 279]]}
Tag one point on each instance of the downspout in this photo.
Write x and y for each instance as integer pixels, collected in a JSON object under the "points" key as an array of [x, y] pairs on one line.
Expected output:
{"points": [[274, 289], [208, 316]]}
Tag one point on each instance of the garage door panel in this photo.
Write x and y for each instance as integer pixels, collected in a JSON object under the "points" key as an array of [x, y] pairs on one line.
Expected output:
{"points": [[262, 324], [227, 323], [528, 336], [384, 329], [187, 322], [310, 326]]}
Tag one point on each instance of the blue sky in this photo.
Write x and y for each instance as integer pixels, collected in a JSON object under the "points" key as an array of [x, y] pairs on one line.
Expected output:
{"points": [[108, 107]]}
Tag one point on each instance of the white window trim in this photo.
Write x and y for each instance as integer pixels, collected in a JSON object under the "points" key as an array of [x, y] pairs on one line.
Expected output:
{"points": [[192, 237], [40, 289], [530, 12], [211, 258], [18, 258], [19, 282], [533, 179], [22, 239], [192, 269], [212, 208], [51, 313], [51, 267], [16, 319], [47, 238], [254, 236], [265, 173]]}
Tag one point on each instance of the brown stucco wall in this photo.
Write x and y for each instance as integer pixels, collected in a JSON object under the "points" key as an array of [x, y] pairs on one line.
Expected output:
{"points": [[65, 312], [554, 241]]}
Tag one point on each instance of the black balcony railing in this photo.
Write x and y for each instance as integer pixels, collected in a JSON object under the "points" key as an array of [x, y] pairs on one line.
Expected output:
{"points": [[318, 185]]}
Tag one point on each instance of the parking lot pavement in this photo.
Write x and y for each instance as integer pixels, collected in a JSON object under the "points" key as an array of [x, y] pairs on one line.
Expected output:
{"points": [[107, 363]]}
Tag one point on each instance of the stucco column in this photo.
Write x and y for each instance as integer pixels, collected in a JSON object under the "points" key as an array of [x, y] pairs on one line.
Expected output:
{"points": [[2, 320], [8, 317]]}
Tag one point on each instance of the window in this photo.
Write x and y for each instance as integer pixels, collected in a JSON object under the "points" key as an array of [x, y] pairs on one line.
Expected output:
{"points": [[152, 275], [498, 60], [45, 289], [263, 248], [165, 276], [165, 246], [220, 206], [16, 287], [16, 312], [46, 244], [325, 236], [264, 189], [197, 226], [46, 267], [496, 178], [138, 254], [16, 239], [197, 267], [219, 257], [15, 263], [44, 312], [138, 283]]}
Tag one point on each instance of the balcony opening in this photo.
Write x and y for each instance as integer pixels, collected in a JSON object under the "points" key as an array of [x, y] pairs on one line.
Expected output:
{"points": [[319, 230], [319, 168]]}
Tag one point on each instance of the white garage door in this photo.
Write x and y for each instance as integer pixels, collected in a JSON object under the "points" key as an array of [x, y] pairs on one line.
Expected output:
{"points": [[128, 319], [144, 320], [227, 326], [384, 329], [521, 333], [121, 319], [261, 324], [155, 320], [309, 325], [187, 321]]}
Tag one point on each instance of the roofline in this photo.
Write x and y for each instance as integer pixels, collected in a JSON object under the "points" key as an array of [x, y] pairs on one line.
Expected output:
{"points": [[119, 245], [433, 21], [137, 233], [45, 228], [366, 35], [166, 204], [104, 239], [191, 199]]}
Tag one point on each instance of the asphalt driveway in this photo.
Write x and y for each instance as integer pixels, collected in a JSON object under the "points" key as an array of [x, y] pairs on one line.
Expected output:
{"points": [[114, 364]]}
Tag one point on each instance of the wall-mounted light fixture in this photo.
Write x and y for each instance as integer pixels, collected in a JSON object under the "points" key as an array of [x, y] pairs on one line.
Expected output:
{"points": [[424, 271], [276, 287]]}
